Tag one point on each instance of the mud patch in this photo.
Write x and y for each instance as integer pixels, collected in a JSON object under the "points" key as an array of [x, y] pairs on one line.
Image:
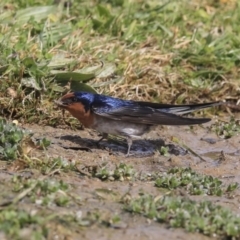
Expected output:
{"points": [[221, 159]]}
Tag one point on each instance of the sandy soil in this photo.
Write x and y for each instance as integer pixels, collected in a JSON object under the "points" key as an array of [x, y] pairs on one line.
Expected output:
{"points": [[213, 156]]}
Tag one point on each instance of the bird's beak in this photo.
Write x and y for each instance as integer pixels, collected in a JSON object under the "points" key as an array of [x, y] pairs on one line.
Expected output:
{"points": [[64, 101], [60, 103]]}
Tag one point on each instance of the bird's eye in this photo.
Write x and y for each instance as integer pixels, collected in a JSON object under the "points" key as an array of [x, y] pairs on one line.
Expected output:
{"points": [[71, 100], [74, 99]]}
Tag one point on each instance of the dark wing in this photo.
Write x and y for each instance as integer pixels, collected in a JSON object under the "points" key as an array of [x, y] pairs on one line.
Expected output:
{"points": [[138, 113], [179, 109]]}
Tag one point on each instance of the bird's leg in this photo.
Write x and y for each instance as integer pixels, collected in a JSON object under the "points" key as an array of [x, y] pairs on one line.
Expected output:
{"points": [[104, 136], [129, 142]]}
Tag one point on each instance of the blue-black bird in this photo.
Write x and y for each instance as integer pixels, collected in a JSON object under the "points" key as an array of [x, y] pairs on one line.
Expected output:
{"points": [[126, 118]]}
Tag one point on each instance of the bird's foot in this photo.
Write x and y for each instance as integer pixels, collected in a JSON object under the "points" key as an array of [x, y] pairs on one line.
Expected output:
{"points": [[129, 143], [104, 136]]}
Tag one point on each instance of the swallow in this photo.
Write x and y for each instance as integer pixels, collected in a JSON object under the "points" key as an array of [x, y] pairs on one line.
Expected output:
{"points": [[130, 119]]}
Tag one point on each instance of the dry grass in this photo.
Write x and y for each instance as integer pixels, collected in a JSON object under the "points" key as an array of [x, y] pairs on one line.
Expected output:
{"points": [[172, 53]]}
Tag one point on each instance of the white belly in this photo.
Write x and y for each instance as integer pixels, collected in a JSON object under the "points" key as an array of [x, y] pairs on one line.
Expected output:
{"points": [[114, 127]]}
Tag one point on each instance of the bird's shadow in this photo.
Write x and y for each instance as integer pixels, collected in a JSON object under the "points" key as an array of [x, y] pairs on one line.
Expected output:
{"points": [[139, 148]]}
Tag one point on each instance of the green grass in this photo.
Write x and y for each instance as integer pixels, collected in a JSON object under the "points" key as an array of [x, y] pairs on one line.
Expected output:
{"points": [[171, 51], [203, 217], [227, 129], [182, 178], [11, 140], [43, 192], [16, 142], [193, 183], [121, 172]]}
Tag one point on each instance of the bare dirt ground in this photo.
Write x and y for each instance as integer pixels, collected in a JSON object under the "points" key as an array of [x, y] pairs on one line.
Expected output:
{"points": [[215, 156]]}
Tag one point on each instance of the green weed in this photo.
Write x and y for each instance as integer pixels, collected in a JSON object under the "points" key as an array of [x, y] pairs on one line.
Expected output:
{"points": [[13, 221], [11, 140], [193, 183], [227, 129], [141, 50], [121, 172], [43, 192], [203, 217]]}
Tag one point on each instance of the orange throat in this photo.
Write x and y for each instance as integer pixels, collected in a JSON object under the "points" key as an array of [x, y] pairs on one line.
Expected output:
{"points": [[78, 111]]}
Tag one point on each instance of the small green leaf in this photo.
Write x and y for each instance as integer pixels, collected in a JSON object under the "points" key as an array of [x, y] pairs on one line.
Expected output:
{"points": [[29, 62], [106, 71], [59, 60], [57, 88], [3, 69], [130, 31], [52, 33], [44, 143], [78, 86], [103, 11], [31, 83], [39, 13], [96, 23], [65, 77]]}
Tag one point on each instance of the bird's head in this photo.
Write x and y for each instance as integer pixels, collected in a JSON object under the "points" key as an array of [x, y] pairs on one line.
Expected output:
{"points": [[66, 100], [74, 100], [78, 104]]}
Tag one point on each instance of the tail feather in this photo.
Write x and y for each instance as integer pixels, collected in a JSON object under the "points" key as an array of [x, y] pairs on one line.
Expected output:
{"points": [[179, 109], [190, 108], [175, 120]]}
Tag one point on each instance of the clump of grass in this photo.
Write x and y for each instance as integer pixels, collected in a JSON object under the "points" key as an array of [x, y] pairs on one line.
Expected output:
{"points": [[227, 129], [120, 173], [12, 221], [203, 217], [186, 55], [193, 183], [164, 151], [11, 140], [186, 178], [16, 142], [48, 165], [43, 192]]}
